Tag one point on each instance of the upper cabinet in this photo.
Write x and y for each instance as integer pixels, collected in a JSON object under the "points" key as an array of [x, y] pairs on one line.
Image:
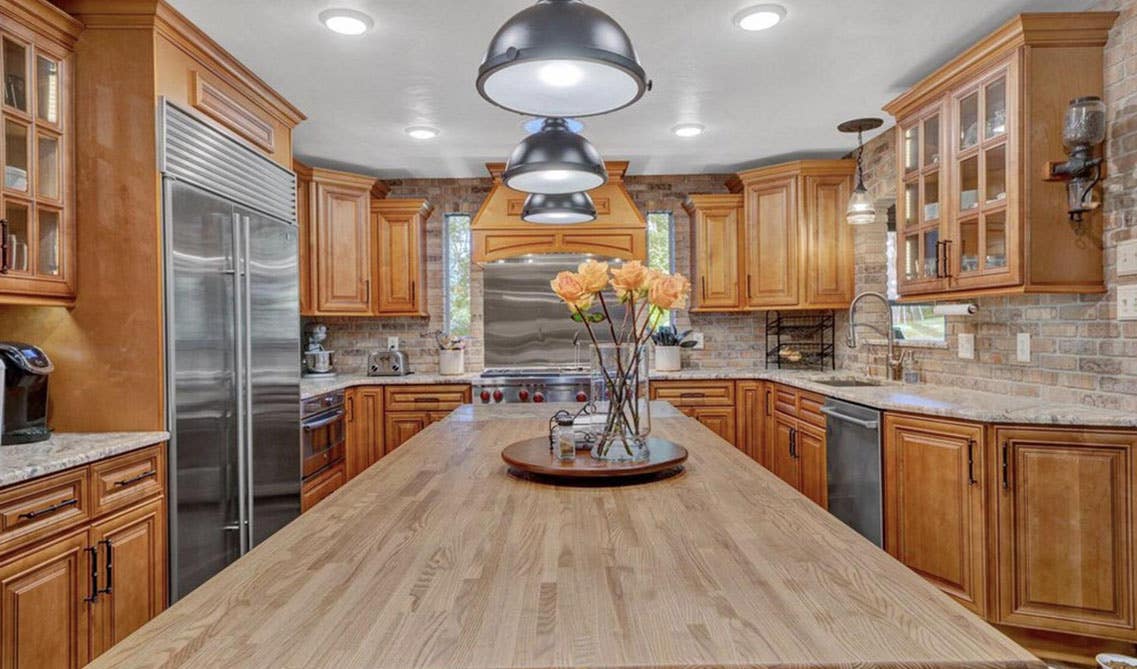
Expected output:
{"points": [[974, 215], [398, 238], [37, 214], [779, 242]]}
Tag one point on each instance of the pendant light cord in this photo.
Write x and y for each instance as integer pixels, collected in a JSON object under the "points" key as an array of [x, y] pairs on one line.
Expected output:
{"points": [[860, 161]]}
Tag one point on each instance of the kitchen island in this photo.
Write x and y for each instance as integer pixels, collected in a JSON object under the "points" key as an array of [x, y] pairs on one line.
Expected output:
{"points": [[437, 557]]}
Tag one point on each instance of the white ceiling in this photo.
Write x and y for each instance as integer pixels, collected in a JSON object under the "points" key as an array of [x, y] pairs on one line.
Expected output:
{"points": [[762, 96]]}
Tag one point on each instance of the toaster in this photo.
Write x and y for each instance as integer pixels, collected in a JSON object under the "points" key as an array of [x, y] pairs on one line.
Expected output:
{"points": [[388, 363]]}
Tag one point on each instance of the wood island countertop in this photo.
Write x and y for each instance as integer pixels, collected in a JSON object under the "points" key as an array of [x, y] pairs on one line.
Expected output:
{"points": [[437, 557]]}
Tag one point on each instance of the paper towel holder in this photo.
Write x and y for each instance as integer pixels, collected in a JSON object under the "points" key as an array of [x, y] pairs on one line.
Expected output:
{"points": [[958, 309]]}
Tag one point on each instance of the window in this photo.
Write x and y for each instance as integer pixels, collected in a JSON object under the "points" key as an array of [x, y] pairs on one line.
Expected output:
{"points": [[456, 264], [661, 241], [911, 322]]}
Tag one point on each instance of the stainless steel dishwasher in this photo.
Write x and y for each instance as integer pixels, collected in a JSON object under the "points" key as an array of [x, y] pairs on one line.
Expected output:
{"points": [[856, 496]]}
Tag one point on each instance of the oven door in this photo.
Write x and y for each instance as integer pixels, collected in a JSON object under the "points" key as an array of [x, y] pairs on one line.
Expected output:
{"points": [[322, 443]]}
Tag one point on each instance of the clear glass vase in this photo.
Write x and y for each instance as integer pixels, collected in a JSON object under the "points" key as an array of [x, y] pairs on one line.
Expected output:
{"points": [[619, 390]]}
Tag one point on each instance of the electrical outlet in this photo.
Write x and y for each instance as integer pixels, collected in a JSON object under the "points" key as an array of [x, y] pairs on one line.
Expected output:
{"points": [[1022, 351], [1127, 258], [698, 337], [392, 343], [967, 346], [1127, 303]]}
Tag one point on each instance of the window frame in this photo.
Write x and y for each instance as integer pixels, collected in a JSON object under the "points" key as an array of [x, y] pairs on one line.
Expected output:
{"points": [[446, 259], [892, 291]]}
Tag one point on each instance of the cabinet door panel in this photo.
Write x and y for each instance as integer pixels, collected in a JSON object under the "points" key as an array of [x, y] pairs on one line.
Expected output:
{"points": [[782, 460], [934, 520], [772, 243], [137, 574], [719, 420], [810, 449], [751, 418], [716, 260], [402, 425], [343, 253], [399, 244], [828, 243], [1065, 530], [44, 620]]}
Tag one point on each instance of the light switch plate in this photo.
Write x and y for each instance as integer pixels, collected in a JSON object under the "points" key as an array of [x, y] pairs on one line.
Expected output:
{"points": [[1127, 258], [392, 343], [1127, 303], [967, 346], [698, 337], [1022, 352]]}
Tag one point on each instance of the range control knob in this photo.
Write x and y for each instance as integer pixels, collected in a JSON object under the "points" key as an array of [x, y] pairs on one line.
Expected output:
{"points": [[523, 395], [538, 397], [485, 395], [582, 396], [497, 395]]}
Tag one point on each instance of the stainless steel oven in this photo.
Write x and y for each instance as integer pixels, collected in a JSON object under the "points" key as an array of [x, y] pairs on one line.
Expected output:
{"points": [[323, 426]]}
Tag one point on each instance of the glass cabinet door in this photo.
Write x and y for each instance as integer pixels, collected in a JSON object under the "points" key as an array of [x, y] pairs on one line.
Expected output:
{"points": [[921, 207], [15, 57]]}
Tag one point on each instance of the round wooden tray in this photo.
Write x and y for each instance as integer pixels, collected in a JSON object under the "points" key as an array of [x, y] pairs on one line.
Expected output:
{"points": [[533, 458]]}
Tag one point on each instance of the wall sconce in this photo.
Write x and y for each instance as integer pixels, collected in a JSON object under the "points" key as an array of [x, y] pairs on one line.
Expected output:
{"points": [[1084, 129]]}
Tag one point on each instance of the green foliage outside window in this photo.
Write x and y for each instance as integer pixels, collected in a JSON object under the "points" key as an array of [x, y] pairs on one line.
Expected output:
{"points": [[456, 259]]}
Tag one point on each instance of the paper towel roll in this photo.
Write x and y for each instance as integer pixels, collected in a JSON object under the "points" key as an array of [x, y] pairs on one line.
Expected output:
{"points": [[954, 309]]}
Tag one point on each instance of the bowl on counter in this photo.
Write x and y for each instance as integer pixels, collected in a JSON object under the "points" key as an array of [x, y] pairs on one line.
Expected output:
{"points": [[1115, 661]]}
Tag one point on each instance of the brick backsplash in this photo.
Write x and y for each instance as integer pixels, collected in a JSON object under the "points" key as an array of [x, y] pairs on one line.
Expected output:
{"points": [[1080, 352]]}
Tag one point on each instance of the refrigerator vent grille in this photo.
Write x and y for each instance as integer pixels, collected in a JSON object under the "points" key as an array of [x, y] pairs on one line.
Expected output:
{"points": [[191, 151]]}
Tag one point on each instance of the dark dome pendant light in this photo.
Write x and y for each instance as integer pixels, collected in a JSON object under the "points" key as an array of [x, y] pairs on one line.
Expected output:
{"points": [[561, 58], [555, 161], [558, 209]]}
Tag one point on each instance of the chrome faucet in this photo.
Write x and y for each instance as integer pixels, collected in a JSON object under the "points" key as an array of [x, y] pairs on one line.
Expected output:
{"points": [[895, 363]]}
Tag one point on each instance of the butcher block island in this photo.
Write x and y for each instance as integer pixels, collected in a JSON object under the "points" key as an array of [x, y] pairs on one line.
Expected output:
{"points": [[438, 557]]}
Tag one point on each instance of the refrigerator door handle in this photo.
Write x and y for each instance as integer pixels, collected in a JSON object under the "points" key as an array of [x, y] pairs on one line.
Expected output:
{"points": [[242, 382], [247, 321]]}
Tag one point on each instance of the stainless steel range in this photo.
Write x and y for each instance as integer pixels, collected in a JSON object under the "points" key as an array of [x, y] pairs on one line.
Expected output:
{"points": [[534, 384]]}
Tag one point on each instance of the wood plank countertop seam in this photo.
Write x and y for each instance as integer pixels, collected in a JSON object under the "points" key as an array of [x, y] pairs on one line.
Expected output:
{"points": [[437, 558]]}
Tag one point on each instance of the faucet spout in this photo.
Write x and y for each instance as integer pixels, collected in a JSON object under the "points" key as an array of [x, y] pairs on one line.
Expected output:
{"points": [[895, 362]]}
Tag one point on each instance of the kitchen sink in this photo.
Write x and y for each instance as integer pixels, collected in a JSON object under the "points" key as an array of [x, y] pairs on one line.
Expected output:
{"points": [[849, 383]]}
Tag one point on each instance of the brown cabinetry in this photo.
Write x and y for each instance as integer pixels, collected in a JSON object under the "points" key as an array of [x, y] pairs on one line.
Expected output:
{"points": [[37, 212], [411, 409], [399, 252], [789, 246], [709, 402], [972, 141], [364, 429], [87, 570], [321, 485], [796, 449], [752, 412], [933, 504]]}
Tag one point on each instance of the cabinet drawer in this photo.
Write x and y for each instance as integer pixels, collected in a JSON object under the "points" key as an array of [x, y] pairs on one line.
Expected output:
{"points": [[316, 489], [785, 400], [124, 480], [31, 511], [426, 398], [694, 393], [809, 408]]}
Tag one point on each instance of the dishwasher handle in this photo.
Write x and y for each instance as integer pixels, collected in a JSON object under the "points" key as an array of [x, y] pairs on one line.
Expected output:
{"points": [[833, 413]]}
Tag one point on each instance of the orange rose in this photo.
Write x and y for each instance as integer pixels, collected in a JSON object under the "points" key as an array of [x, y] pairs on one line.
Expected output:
{"points": [[569, 287], [669, 291], [593, 275], [631, 279]]}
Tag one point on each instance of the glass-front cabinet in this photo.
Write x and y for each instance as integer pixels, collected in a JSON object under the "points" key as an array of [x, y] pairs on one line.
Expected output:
{"points": [[36, 218], [920, 211]]}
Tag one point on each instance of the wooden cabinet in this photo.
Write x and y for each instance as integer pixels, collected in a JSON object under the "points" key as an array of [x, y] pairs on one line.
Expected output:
{"points": [[364, 429], [972, 139], [321, 485], [796, 449], [752, 412], [336, 258], [88, 569], [934, 521], [37, 212], [716, 252], [1065, 537], [789, 247], [399, 250], [411, 409], [709, 402]]}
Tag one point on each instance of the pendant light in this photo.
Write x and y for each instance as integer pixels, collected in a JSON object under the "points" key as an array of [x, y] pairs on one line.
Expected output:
{"points": [[561, 58], [558, 209], [861, 210], [555, 161]]}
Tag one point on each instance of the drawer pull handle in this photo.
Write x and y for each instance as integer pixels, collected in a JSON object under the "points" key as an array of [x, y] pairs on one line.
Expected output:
{"points": [[1006, 474], [54, 507], [692, 396], [971, 462], [93, 556], [110, 567], [427, 399], [136, 479]]}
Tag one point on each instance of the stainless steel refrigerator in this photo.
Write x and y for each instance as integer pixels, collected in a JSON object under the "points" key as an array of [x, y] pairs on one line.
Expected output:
{"points": [[233, 347]]}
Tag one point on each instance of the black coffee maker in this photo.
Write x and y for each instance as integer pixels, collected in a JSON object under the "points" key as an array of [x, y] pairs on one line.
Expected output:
{"points": [[23, 402]]}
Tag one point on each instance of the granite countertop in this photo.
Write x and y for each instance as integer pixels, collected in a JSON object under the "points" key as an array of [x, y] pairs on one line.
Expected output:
{"points": [[64, 450], [925, 399]]}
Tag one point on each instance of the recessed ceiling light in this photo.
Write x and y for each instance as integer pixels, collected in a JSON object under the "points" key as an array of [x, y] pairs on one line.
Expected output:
{"points": [[760, 17], [346, 21], [422, 132], [688, 130]]}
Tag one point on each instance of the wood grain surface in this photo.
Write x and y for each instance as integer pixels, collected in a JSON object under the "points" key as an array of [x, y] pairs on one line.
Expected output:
{"points": [[535, 456], [436, 557]]}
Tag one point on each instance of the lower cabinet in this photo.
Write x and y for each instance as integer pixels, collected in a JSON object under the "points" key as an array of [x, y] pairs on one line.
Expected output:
{"points": [[321, 485], [796, 449], [711, 403], [933, 505], [364, 429], [752, 411], [409, 410], [69, 593]]}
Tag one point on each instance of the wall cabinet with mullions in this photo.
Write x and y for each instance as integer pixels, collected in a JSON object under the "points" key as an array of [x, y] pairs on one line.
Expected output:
{"points": [[37, 236], [974, 214]]}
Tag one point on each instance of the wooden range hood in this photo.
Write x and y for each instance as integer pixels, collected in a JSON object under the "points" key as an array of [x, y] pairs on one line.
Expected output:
{"points": [[619, 231]]}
